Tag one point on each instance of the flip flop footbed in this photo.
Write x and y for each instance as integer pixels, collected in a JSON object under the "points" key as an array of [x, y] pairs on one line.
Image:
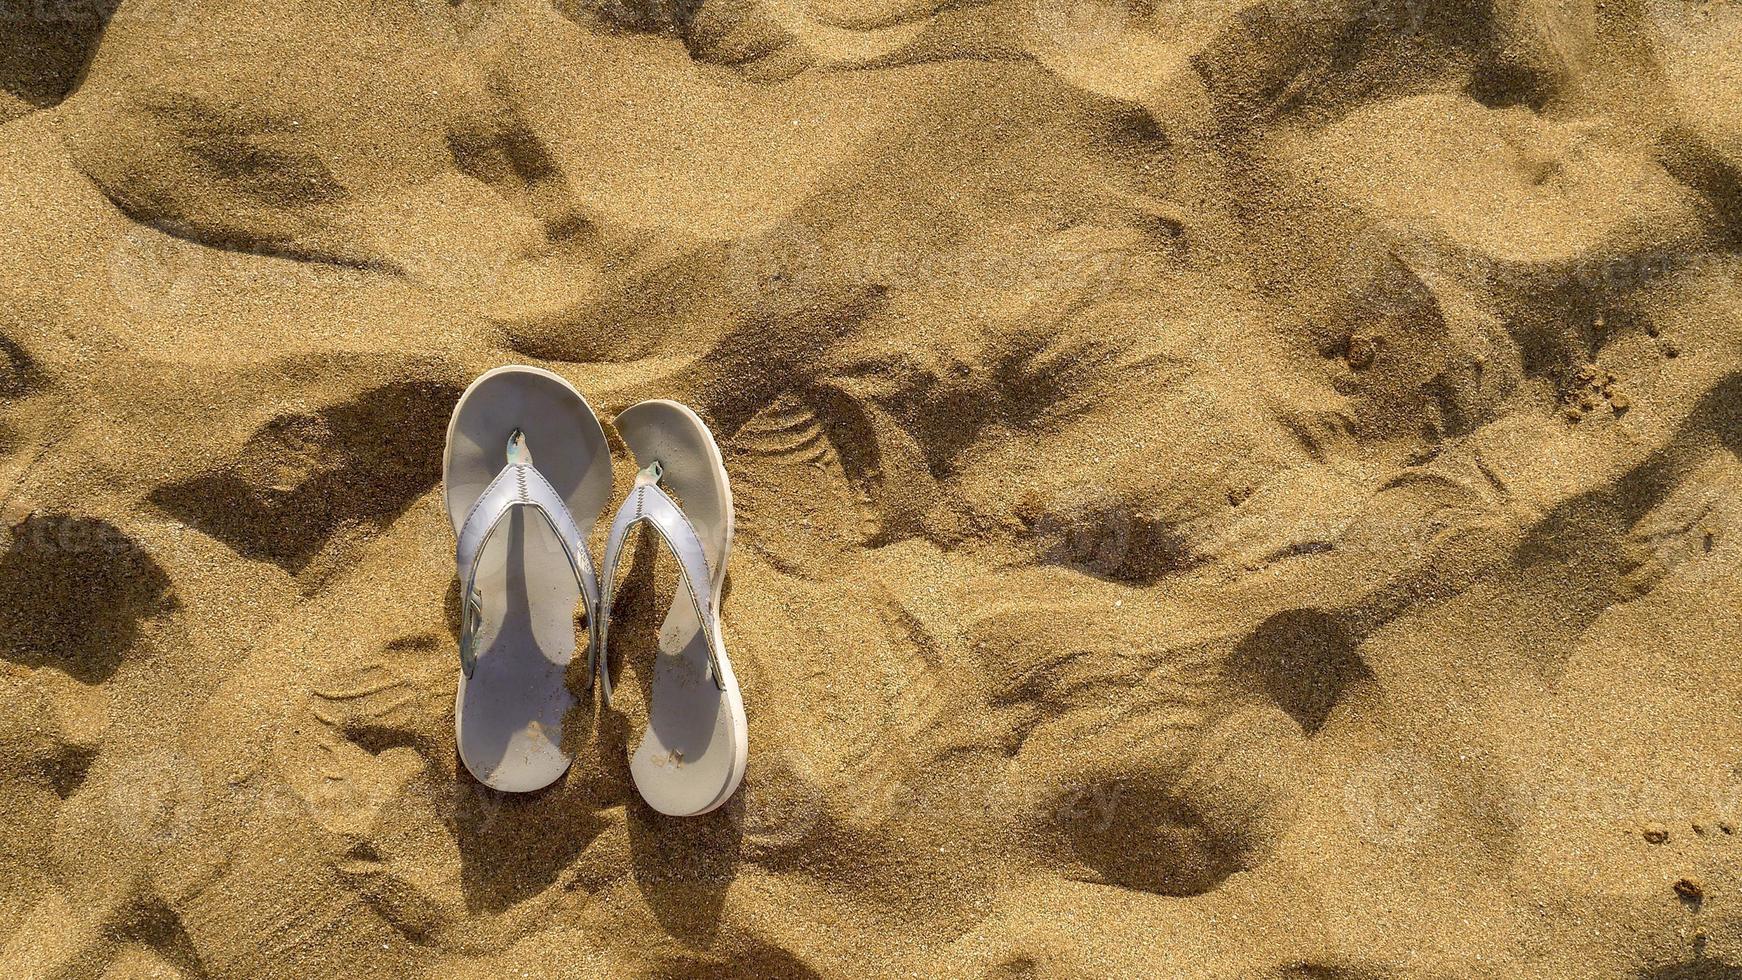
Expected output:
{"points": [[508, 716]]}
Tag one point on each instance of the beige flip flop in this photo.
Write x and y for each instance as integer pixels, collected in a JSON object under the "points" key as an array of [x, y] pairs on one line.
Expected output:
{"points": [[694, 752], [525, 476]]}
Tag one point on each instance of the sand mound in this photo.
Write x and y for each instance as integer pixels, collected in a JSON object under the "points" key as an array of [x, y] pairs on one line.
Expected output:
{"points": [[1238, 490]]}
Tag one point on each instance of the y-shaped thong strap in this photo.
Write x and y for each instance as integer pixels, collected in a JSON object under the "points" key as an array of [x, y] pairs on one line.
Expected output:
{"points": [[520, 485], [649, 503]]}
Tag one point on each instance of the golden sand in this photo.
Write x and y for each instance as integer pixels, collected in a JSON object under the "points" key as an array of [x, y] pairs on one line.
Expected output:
{"points": [[1225, 489]]}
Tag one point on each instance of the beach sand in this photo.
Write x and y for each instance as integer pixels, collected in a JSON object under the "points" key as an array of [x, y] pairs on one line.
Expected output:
{"points": [[1235, 490]]}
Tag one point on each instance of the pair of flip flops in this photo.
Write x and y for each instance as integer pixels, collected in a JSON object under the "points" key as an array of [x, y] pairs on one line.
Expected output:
{"points": [[526, 476]]}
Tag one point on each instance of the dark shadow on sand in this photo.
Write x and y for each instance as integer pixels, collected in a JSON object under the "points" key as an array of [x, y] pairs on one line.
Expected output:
{"points": [[300, 478], [73, 594], [683, 866]]}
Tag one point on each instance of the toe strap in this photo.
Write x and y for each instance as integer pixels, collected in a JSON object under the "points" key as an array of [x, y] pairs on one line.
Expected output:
{"points": [[519, 485], [648, 503]]}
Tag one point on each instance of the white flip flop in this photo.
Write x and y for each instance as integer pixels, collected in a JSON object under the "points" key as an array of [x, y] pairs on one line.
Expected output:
{"points": [[695, 750], [522, 442]]}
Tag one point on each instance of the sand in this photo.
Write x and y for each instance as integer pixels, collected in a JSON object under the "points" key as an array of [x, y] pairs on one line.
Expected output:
{"points": [[1237, 490]]}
